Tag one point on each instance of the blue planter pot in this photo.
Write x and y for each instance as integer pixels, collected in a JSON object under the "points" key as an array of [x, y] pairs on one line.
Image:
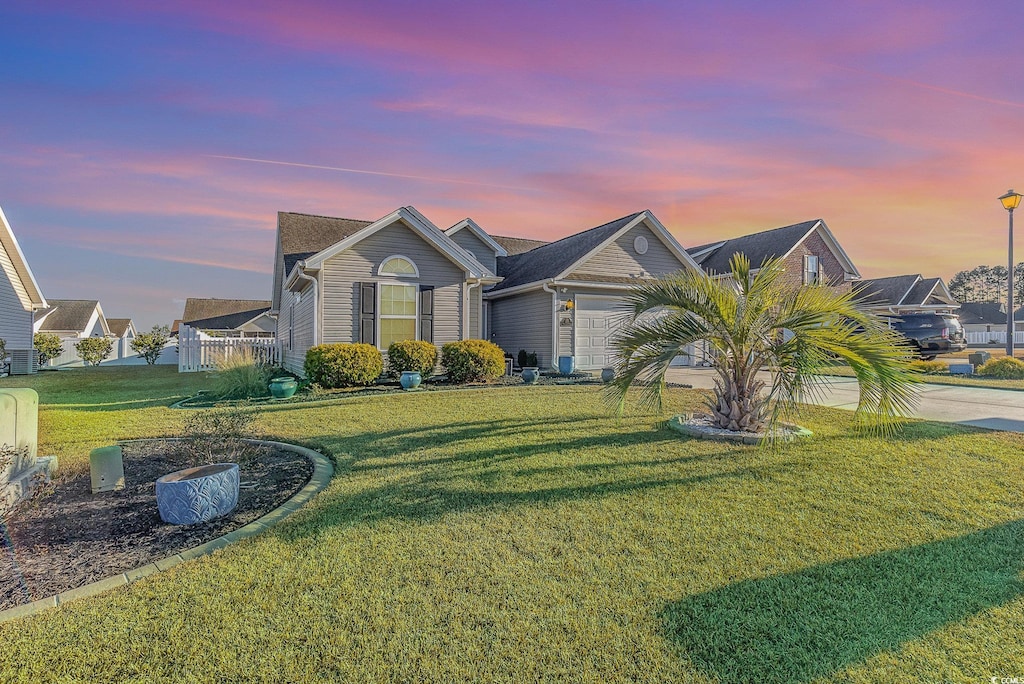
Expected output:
{"points": [[282, 388], [410, 380], [566, 364], [530, 375], [195, 495]]}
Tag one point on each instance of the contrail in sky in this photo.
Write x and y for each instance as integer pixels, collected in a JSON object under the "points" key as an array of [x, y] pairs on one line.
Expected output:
{"points": [[366, 172], [927, 86]]}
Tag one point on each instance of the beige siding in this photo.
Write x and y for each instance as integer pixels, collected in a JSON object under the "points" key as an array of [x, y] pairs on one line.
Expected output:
{"points": [[15, 321], [523, 321], [342, 272], [620, 257], [483, 252]]}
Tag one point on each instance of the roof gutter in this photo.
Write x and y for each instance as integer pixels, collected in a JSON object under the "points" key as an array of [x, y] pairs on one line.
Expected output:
{"points": [[296, 275], [554, 320]]}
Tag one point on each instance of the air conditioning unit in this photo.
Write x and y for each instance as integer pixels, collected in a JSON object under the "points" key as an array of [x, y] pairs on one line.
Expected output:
{"points": [[24, 361]]}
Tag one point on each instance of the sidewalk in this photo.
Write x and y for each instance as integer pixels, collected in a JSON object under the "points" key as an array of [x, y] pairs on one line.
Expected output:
{"points": [[981, 407]]}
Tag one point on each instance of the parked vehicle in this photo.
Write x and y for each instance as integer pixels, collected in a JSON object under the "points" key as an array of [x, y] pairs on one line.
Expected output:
{"points": [[931, 334]]}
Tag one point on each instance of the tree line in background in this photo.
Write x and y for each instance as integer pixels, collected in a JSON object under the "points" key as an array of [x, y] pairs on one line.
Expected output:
{"points": [[986, 284]]}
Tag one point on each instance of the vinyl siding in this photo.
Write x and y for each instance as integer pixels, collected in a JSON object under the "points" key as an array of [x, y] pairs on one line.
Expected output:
{"points": [[342, 272], [475, 299], [305, 311], [523, 321], [620, 258], [15, 321], [468, 240]]}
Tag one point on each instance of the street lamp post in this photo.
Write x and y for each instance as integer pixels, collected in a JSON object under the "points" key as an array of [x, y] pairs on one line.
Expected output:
{"points": [[1011, 200]]}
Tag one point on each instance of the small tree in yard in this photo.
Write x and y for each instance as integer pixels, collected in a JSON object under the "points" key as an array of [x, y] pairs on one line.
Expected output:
{"points": [[150, 345], [93, 350], [48, 345]]}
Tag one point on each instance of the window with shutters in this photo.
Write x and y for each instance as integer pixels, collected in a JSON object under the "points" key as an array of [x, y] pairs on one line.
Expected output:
{"points": [[397, 313], [810, 269]]}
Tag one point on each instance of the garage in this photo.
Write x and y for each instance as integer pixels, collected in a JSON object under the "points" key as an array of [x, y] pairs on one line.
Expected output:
{"points": [[598, 319]]}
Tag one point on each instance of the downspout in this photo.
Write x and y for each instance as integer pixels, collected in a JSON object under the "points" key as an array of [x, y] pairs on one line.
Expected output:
{"points": [[479, 315], [554, 322], [316, 302]]}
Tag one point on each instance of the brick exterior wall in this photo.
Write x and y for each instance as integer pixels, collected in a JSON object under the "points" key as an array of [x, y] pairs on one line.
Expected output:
{"points": [[829, 265]]}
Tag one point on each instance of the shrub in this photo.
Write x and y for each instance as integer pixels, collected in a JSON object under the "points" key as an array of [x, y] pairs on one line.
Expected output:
{"points": [[412, 355], [527, 360], [472, 360], [217, 435], [929, 367], [343, 365], [48, 345], [150, 345], [93, 350], [240, 376], [1006, 368]]}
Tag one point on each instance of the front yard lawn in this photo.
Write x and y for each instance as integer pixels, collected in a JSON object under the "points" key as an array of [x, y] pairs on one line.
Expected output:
{"points": [[523, 534]]}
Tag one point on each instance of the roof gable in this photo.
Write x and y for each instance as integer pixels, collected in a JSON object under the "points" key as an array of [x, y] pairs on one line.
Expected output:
{"points": [[29, 293], [119, 327], [222, 314], [889, 291], [71, 315], [471, 225]]}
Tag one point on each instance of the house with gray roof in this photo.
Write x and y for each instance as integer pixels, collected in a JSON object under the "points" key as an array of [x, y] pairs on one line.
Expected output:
{"points": [[984, 317], [230, 317], [73, 319], [20, 299], [904, 294]]}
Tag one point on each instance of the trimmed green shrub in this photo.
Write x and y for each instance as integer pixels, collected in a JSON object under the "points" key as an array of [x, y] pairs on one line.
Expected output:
{"points": [[929, 367], [150, 345], [93, 350], [1006, 368], [472, 360], [526, 360], [343, 365], [48, 345], [239, 376], [412, 355]]}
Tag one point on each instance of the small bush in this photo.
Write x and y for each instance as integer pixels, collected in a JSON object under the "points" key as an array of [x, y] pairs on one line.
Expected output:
{"points": [[92, 350], [240, 376], [217, 435], [150, 345], [48, 345], [527, 360], [929, 367], [472, 361], [343, 365], [1006, 368], [412, 355]]}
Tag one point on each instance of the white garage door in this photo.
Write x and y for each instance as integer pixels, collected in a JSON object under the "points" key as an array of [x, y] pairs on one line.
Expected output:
{"points": [[598, 319]]}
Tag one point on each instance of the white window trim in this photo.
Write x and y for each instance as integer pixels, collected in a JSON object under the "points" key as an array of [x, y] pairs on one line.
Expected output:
{"points": [[381, 316], [415, 268], [814, 279]]}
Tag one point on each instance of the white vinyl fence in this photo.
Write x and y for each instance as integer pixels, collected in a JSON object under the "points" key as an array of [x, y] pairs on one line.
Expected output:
{"points": [[994, 337], [121, 355], [200, 352]]}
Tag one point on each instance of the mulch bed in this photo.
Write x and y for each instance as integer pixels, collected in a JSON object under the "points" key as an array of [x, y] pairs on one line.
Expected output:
{"points": [[67, 537]]}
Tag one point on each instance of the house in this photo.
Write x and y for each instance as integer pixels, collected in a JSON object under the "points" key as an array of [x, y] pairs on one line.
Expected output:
{"points": [[983, 317], [346, 280], [809, 252], [565, 298], [20, 298], [904, 294], [73, 319], [123, 331], [230, 317]]}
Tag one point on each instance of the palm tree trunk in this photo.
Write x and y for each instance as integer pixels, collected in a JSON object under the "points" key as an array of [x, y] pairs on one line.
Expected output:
{"points": [[738, 405]]}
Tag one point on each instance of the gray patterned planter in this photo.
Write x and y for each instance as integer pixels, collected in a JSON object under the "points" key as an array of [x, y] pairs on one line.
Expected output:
{"points": [[195, 495]]}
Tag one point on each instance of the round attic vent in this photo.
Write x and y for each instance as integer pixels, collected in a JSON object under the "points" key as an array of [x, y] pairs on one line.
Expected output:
{"points": [[640, 244]]}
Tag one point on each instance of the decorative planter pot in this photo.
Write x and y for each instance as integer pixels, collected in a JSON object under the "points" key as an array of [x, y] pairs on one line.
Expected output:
{"points": [[282, 388], [530, 375], [607, 374], [566, 364], [410, 380], [195, 495]]}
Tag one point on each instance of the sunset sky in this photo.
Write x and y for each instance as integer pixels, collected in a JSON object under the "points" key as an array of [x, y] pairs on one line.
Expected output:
{"points": [[145, 151]]}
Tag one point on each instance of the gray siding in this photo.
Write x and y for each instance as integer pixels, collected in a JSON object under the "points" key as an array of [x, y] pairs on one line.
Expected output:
{"points": [[359, 264], [483, 252], [15, 321], [475, 305], [302, 335], [523, 321], [620, 258]]}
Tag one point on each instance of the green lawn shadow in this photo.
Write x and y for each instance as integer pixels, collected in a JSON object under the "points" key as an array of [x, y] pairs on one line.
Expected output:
{"points": [[809, 624]]}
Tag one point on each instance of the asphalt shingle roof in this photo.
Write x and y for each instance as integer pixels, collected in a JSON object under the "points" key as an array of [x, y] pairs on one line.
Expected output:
{"points": [[888, 291], [222, 314], [983, 313], [515, 245], [118, 326], [758, 247], [549, 260], [303, 235], [67, 314]]}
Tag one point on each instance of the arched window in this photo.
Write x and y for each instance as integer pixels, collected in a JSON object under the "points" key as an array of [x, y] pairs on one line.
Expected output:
{"points": [[399, 266]]}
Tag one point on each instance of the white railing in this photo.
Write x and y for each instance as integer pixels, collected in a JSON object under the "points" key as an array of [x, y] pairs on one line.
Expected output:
{"points": [[200, 352], [994, 337]]}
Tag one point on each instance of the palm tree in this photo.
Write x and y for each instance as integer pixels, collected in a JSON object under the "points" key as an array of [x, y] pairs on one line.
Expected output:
{"points": [[755, 322]]}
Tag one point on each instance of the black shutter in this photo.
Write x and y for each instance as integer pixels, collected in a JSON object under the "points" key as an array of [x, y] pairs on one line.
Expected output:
{"points": [[368, 313], [427, 313]]}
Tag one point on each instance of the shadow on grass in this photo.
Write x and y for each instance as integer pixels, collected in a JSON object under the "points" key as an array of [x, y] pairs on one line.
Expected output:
{"points": [[809, 624]]}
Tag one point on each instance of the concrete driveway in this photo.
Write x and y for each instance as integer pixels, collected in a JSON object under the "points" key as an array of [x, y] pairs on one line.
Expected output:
{"points": [[988, 408]]}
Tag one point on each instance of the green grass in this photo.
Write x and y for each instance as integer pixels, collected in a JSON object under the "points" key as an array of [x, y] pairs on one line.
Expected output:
{"points": [[522, 534]]}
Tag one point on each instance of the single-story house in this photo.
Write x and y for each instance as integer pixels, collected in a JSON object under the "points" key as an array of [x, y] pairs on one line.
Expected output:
{"points": [[809, 252], [20, 298], [123, 331], [905, 294], [230, 317], [73, 319], [983, 317]]}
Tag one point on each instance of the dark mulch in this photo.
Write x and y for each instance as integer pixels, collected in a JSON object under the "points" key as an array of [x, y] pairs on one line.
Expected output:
{"points": [[68, 537]]}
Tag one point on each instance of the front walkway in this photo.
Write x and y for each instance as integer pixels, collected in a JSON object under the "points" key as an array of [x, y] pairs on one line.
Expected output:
{"points": [[981, 407]]}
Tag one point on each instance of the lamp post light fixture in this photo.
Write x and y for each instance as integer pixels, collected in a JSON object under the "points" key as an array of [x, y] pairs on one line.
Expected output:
{"points": [[1011, 200]]}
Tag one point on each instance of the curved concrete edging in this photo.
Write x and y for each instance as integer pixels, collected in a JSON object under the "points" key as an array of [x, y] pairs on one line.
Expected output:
{"points": [[323, 471]]}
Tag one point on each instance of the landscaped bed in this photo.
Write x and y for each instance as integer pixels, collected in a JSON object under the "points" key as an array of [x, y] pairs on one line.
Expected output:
{"points": [[67, 537], [525, 534]]}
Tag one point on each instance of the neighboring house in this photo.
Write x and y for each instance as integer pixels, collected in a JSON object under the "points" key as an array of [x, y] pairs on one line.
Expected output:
{"points": [[230, 317], [905, 294], [397, 278], [809, 252], [20, 298], [73, 319], [175, 326], [123, 330], [565, 298], [983, 317]]}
